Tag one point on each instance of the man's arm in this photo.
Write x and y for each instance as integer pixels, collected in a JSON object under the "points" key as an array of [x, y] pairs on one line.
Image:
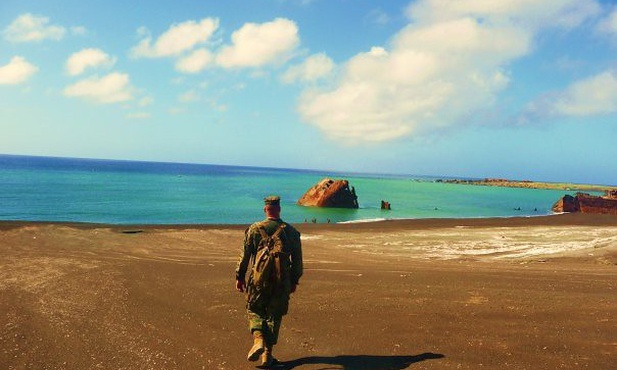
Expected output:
{"points": [[243, 262], [296, 261]]}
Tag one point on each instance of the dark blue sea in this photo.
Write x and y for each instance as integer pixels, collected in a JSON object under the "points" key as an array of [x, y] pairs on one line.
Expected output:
{"points": [[128, 192]]}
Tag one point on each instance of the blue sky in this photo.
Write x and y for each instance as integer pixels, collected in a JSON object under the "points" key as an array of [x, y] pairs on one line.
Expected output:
{"points": [[518, 89]]}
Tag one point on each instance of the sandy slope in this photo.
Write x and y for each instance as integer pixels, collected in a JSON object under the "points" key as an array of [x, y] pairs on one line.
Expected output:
{"points": [[373, 296]]}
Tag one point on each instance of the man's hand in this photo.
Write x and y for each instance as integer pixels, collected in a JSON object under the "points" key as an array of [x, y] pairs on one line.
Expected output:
{"points": [[240, 286]]}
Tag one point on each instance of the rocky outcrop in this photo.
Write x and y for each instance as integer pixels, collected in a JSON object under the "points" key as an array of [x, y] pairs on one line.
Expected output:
{"points": [[586, 203], [567, 203], [330, 193]]}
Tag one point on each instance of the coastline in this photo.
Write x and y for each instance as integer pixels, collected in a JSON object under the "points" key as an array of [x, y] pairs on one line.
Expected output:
{"points": [[527, 184], [550, 219], [374, 295]]}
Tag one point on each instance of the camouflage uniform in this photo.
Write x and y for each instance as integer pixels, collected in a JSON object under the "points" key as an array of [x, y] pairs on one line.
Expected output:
{"points": [[266, 309]]}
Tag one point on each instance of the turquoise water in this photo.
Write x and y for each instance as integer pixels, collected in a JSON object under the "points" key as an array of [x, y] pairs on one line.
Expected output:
{"points": [[122, 192]]}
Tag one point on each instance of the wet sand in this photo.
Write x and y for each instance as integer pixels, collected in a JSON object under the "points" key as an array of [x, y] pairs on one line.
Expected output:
{"points": [[374, 296]]}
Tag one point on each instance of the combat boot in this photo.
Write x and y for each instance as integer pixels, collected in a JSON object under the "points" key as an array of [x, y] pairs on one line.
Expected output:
{"points": [[267, 359], [258, 346]]}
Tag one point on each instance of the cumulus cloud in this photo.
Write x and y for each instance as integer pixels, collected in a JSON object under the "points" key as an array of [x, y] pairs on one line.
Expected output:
{"points": [[18, 70], [196, 62], [178, 39], [78, 62], [524, 13], [609, 24], [28, 27], [450, 61], [112, 88], [595, 95], [256, 45], [313, 68]]}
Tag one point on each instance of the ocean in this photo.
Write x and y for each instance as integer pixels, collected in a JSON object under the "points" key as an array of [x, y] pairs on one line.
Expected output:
{"points": [[129, 192]]}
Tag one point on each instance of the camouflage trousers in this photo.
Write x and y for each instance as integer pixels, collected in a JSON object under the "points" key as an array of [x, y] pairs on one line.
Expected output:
{"points": [[268, 325], [266, 308]]}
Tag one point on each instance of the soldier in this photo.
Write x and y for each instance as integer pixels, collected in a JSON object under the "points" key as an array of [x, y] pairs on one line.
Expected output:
{"points": [[268, 297]]}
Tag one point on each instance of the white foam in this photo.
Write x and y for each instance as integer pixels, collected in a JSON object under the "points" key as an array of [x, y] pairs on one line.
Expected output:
{"points": [[363, 221]]}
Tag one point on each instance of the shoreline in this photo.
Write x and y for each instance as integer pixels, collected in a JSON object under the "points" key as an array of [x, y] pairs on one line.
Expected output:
{"points": [[521, 221]]}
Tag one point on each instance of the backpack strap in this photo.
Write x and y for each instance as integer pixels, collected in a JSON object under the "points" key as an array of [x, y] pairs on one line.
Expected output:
{"points": [[263, 232], [276, 233], [279, 230]]}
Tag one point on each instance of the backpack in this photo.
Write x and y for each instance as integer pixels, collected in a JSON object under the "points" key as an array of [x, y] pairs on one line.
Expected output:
{"points": [[269, 269]]}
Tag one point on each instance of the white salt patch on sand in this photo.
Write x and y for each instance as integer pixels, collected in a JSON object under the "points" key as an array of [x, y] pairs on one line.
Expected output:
{"points": [[491, 243], [507, 243]]}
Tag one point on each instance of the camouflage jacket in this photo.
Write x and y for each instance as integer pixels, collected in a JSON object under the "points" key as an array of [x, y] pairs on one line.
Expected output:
{"points": [[251, 241]]}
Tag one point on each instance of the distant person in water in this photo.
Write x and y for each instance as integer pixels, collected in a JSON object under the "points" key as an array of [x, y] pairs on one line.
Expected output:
{"points": [[272, 257]]}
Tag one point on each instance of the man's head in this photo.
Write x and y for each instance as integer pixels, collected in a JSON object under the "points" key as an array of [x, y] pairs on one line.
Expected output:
{"points": [[272, 206]]}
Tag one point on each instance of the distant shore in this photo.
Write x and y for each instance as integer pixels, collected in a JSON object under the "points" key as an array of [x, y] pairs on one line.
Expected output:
{"points": [[532, 184]]}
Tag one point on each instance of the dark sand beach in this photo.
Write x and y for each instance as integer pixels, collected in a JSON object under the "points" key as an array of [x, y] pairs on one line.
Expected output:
{"points": [[512, 293]]}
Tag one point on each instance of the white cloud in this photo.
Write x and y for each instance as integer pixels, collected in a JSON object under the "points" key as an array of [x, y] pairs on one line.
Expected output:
{"points": [[524, 13], [17, 71], [139, 115], [144, 102], [313, 68], [188, 97], [78, 62], [609, 24], [448, 63], [176, 111], [178, 39], [221, 108], [256, 45], [79, 30], [112, 88], [595, 95], [378, 16], [29, 27], [196, 62], [177, 81]]}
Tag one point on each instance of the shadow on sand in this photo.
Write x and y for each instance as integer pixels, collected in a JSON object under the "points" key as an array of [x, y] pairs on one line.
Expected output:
{"points": [[361, 362]]}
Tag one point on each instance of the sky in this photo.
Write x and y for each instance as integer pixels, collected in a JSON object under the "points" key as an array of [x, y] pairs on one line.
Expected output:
{"points": [[517, 89]]}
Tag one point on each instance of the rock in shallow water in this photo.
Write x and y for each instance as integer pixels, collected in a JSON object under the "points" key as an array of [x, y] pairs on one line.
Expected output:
{"points": [[586, 203], [330, 193]]}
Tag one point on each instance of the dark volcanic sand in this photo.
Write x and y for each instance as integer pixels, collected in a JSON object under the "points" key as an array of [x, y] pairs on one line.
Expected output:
{"points": [[76, 296]]}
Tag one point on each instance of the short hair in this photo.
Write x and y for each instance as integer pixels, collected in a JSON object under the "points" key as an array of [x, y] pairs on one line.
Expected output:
{"points": [[272, 200]]}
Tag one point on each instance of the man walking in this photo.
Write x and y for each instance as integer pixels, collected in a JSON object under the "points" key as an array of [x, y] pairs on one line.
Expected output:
{"points": [[272, 257]]}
